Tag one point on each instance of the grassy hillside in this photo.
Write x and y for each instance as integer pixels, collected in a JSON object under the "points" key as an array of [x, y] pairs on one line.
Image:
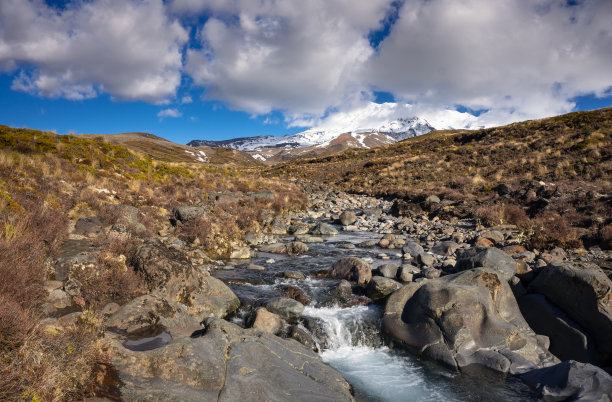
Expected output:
{"points": [[569, 154], [48, 182], [160, 149]]}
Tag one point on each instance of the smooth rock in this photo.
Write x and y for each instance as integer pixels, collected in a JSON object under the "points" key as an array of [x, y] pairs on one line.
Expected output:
{"points": [[186, 213], [264, 320], [487, 257], [347, 218], [380, 287], [352, 269], [285, 307]]}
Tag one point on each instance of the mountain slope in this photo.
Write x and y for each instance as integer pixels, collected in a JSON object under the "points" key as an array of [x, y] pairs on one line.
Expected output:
{"points": [[320, 141], [163, 150]]}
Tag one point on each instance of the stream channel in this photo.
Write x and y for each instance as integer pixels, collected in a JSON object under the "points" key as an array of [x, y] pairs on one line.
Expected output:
{"points": [[352, 342]]}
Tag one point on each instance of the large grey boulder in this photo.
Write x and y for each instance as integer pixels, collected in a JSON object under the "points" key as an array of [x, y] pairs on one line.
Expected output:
{"points": [[584, 293], [568, 341], [469, 318], [412, 249], [212, 297], [264, 320], [380, 287], [287, 308], [570, 381], [487, 257], [323, 229], [225, 363], [186, 213], [347, 218], [445, 248], [352, 269]]}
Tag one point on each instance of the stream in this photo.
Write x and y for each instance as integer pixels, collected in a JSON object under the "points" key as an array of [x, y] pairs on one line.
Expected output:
{"points": [[353, 344]]}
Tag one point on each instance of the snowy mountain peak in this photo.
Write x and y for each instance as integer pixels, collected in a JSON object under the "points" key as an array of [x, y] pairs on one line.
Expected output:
{"points": [[398, 130]]}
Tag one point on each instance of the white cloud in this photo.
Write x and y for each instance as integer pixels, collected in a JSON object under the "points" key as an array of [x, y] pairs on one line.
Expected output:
{"points": [[519, 59], [186, 99], [129, 49], [296, 56], [169, 113]]}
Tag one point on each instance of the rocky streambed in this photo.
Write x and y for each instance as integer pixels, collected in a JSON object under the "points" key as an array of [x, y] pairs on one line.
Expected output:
{"points": [[367, 299]]}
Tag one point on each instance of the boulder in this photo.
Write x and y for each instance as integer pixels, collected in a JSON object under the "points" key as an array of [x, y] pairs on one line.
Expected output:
{"points": [[380, 287], [224, 362], [186, 213], [285, 307], [403, 208], [570, 381], [495, 236], [584, 293], [347, 218], [487, 257], [412, 249], [296, 293], [212, 297], [90, 226], [342, 291], [298, 276], [278, 227], [323, 229], [426, 259], [165, 270], [352, 269], [241, 253], [59, 299], [567, 340], [294, 248], [264, 320], [388, 270], [469, 318], [445, 248], [298, 228]]}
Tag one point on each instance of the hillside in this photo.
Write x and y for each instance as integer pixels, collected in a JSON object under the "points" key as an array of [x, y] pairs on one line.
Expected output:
{"points": [[163, 150], [549, 167], [78, 205]]}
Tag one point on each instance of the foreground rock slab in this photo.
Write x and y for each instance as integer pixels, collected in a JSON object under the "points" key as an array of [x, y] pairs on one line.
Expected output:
{"points": [[224, 362]]}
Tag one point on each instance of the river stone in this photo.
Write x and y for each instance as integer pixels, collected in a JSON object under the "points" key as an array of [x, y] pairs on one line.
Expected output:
{"points": [[294, 275], [347, 218], [352, 269], [368, 244], [298, 229], [567, 340], [323, 229], [388, 270], [445, 248], [309, 239], [285, 307], [186, 213], [426, 259], [380, 287], [564, 284], [412, 249], [296, 293], [487, 257], [469, 318], [303, 337], [264, 320], [495, 236], [342, 291], [570, 381], [241, 253], [294, 248]]}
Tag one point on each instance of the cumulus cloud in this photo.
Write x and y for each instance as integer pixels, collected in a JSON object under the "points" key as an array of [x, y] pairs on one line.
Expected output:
{"points": [[296, 56], [169, 113], [519, 59], [129, 49]]}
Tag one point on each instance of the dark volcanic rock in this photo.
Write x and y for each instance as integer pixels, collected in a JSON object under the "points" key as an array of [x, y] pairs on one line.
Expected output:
{"points": [[464, 319], [352, 269], [487, 257], [570, 381], [584, 293], [567, 340]]}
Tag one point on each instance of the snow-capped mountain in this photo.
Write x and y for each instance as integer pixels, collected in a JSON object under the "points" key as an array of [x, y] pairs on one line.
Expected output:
{"points": [[395, 130]]}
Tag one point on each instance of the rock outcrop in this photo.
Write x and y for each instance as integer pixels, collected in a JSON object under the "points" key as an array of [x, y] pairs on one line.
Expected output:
{"points": [[464, 319]]}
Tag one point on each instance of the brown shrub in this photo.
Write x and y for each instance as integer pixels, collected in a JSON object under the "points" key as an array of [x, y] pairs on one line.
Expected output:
{"points": [[553, 230], [605, 237], [498, 214]]}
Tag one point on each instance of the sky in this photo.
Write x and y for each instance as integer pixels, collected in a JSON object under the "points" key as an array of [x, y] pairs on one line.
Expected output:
{"points": [[219, 69]]}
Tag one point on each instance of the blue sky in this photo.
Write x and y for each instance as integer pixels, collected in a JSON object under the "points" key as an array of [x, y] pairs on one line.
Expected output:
{"points": [[187, 69]]}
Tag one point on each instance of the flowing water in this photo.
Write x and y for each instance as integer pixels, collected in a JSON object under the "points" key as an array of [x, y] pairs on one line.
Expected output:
{"points": [[353, 344]]}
